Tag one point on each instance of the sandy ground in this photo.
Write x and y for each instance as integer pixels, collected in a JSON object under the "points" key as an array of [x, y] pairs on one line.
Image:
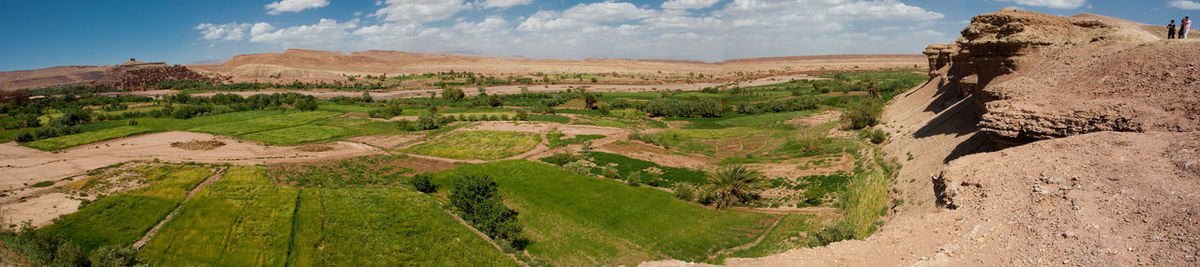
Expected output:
{"points": [[38, 210], [21, 166]]}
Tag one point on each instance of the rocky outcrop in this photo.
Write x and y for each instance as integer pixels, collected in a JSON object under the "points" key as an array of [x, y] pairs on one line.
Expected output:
{"points": [[138, 75], [1036, 76]]}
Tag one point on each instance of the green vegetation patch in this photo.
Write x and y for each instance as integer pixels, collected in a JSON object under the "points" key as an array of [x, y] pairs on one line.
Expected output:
{"points": [[264, 123], [123, 219], [61, 142], [243, 219], [556, 139], [651, 173], [373, 171], [578, 220], [483, 145], [790, 233], [383, 227]]}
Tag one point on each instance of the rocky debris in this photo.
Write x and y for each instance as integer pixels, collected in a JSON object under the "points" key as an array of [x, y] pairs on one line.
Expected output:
{"points": [[1101, 198], [139, 75]]}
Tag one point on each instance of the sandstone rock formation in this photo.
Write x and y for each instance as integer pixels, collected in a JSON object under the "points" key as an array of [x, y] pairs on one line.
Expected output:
{"points": [[1039, 76]]}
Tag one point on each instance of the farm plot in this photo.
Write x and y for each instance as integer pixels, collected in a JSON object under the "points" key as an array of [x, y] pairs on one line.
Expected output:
{"points": [[481, 145], [383, 227], [577, 220], [122, 219], [243, 219]]}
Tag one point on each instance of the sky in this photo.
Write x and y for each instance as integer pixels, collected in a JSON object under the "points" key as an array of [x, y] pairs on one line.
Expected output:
{"points": [[41, 33]]}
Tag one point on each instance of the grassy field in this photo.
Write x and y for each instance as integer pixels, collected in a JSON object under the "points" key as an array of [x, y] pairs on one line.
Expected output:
{"points": [[123, 219], [555, 139], [484, 145], [789, 234], [578, 220], [372, 171], [383, 227], [243, 219], [626, 165], [247, 220]]}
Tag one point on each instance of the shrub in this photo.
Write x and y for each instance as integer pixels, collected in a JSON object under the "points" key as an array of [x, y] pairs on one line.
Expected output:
{"points": [[862, 114], [495, 101], [132, 122], [423, 184], [504, 117], [542, 108], [453, 94], [562, 158], [734, 185], [24, 136], [610, 172], [306, 104], [832, 233], [876, 136], [493, 117], [428, 121], [634, 178], [580, 167], [674, 108], [391, 110], [522, 115], [604, 109], [43, 184], [685, 191], [114, 256]]}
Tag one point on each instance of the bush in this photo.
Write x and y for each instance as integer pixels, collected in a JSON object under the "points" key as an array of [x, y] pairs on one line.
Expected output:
{"points": [[580, 167], [423, 183], [610, 172], [114, 256], [832, 233], [862, 114], [24, 136], [453, 94], [562, 158], [685, 191], [428, 121], [674, 108], [634, 178], [495, 101], [876, 136], [542, 108], [132, 122], [306, 104], [522, 115]]}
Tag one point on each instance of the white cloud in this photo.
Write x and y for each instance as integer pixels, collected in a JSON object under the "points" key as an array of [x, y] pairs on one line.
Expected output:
{"points": [[741, 28], [327, 33], [1059, 4], [505, 3], [276, 8], [688, 4], [1185, 4], [222, 32], [419, 11]]}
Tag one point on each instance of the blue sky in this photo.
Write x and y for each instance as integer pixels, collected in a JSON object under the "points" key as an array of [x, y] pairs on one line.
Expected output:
{"points": [[53, 33]]}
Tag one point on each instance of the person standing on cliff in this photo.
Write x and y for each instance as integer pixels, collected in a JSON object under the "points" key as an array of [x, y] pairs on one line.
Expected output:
{"points": [[1171, 30], [1184, 26]]}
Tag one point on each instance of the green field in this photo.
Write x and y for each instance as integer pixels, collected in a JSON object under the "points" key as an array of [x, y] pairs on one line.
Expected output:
{"points": [[246, 220], [243, 219], [123, 219], [626, 165], [383, 227], [578, 220], [484, 145]]}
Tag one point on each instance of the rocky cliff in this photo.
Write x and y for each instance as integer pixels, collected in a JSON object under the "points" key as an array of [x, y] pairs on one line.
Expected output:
{"points": [[1038, 76]]}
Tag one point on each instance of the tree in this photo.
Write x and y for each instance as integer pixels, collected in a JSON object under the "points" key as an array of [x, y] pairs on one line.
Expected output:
{"points": [[366, 97], [589, 100], [453, 94], [734, 185], [306, 104], [478, 197], [423, 184], [495, 101], [428, 121]]}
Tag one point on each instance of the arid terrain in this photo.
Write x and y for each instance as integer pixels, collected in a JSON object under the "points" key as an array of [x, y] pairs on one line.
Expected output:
{"points": [[1035, 140]]}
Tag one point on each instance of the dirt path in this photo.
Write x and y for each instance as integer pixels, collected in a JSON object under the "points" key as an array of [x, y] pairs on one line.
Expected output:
{"points": [[150, 234], [728, 251]]}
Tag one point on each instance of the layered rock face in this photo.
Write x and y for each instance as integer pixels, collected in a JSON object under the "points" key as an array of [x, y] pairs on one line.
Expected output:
{"points": [[135, 74], [1038, 76]]}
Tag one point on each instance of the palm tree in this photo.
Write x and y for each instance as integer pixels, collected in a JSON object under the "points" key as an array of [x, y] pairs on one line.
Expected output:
{"points": [[734, 185]]}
